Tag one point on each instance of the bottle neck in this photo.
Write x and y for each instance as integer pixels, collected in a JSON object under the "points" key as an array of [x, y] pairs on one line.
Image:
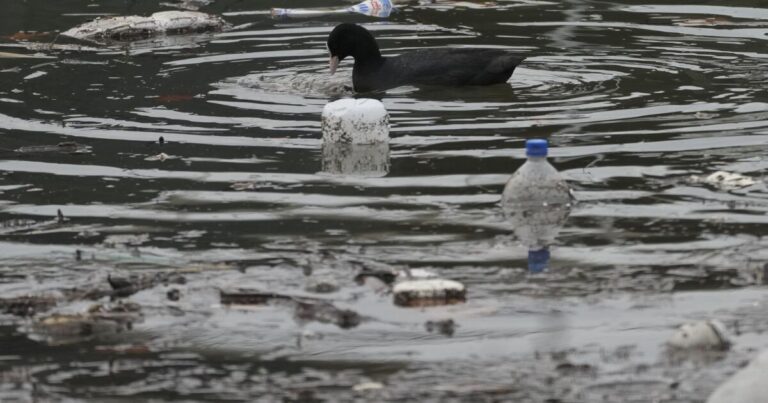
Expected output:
{"points": [[535, 159]]}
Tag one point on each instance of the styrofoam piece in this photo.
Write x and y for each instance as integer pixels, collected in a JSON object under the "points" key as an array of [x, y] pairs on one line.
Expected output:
{"points": [[133, 26], [429, 292], [746, 386], [355, 121], [708, 334], [361, 160]]}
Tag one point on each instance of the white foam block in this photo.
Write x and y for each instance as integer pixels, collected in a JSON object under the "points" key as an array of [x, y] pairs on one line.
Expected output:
{"points": [[355, 121], [428, 292]]}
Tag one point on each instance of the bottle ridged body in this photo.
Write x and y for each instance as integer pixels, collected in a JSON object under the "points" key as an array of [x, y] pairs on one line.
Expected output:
{"points": [[536, 184]]}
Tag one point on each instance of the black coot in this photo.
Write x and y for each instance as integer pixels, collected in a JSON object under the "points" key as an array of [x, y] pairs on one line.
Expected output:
{"points": [[439, 66]]}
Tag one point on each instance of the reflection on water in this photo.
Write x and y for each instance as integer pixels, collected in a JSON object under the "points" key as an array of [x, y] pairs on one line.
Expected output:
{"points": [[637, 101]]}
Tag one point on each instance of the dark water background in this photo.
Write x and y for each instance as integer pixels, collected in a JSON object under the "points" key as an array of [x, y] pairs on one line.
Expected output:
{"points": [[635, 99]]}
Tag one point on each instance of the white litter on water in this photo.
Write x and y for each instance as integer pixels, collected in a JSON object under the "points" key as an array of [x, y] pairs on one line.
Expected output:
{"points": [[746, 386], [355, 121], [709, 334], [725, 180], [428, 292], [134, 26]]}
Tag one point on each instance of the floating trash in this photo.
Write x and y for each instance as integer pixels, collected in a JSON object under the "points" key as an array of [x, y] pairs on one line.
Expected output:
{"points": [[746, 386], [159, 157], [305, 308], [537, 202], [355, 121], [100, 321], [191, 5], [708, 335], [68, 147], [432, 292], [372, 8], [360, 160], [725, 180], [126, 28]]}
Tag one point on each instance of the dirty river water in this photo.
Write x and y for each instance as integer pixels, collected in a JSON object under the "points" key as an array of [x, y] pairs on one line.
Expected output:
{"points": [[635, 99]]}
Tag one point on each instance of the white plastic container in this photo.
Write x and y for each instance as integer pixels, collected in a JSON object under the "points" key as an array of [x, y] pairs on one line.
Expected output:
{"points": [[355, 121], [705, 335]]}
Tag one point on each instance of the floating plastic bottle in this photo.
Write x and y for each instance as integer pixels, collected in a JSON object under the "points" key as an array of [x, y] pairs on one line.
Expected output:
{"points": [[537, 201], [536, 183], [373, 8]]}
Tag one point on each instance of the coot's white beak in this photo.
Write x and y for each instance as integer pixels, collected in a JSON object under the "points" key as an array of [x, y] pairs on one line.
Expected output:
{"points": [[334, 62]]}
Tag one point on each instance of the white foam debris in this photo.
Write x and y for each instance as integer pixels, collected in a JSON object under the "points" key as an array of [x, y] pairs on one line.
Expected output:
{"points": [[134, 26], [355, 121], [708, 334], [746, 386], [725, 180], [428, 292]]}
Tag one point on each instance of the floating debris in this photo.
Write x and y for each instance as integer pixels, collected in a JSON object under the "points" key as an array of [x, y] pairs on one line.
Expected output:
{"points": [[355, 121], [190, 5], [705, 335], [173, 294], [325, 312], [724, 180], [67, 147], [446, 327], [432, 292], [746, 386], [126, 28], [372, 8], [100, 320], [305, 308], [365, 386], [159, 157]]}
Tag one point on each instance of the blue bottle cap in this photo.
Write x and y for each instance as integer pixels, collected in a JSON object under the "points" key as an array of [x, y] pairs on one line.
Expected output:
{"points": [[536, 147], [538, 260]]}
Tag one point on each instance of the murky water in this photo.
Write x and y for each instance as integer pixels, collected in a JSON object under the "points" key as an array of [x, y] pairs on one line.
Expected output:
{"points": [[635, 99]]}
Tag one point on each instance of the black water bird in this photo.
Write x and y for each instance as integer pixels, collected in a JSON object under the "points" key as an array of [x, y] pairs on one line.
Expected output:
{"points": [[435, 66]]}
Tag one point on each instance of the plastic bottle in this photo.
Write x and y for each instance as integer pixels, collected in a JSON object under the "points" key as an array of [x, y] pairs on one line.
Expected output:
{"points": [[536, 183], [537, 201]]}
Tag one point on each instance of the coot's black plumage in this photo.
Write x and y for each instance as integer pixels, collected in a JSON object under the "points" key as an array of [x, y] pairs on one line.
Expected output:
{"points": [[437, 66]]}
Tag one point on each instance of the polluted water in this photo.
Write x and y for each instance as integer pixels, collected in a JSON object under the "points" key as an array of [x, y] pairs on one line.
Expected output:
{"points": [[174, 226]]}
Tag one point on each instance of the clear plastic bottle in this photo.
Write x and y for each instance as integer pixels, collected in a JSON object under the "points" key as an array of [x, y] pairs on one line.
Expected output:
{"points": [[537, 183], [537, 201]]}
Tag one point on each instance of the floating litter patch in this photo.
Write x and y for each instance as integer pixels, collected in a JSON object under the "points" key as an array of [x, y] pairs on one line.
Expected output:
{"points": [[355, 121], [725, 180], [134, 26], [707, 335], [432, 292]]}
